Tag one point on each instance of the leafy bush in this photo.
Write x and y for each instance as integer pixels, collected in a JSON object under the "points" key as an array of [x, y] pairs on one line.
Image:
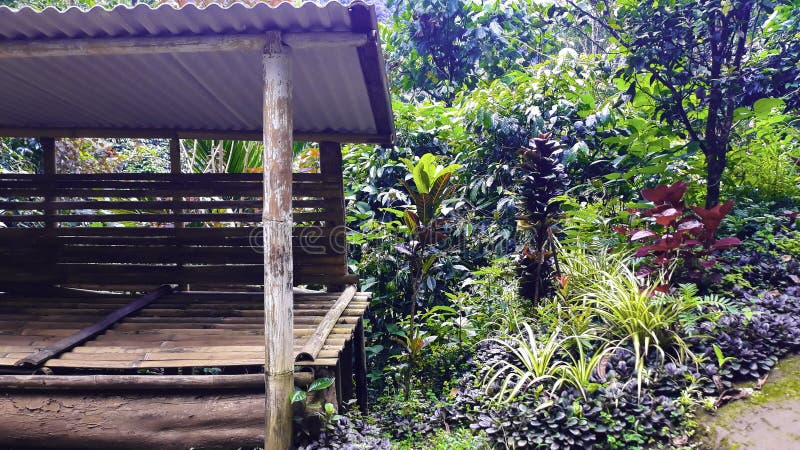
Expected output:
{"points": [[630, 311], [609, 417], [415, 417], [532, 363], [762, 162], [19, 155], [347, 434], [459, 439], [757, 338], [677, 238], [769, 257]]}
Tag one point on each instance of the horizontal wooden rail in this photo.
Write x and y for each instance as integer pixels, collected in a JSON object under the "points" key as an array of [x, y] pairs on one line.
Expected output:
{"points": [[139, 382], [220, 243]]}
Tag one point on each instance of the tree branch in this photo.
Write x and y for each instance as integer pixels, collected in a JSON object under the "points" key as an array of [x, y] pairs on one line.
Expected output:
{"points": [[613, 32], [684, 116]]}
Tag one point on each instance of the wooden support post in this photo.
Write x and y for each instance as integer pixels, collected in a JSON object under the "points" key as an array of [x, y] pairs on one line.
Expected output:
{"points": [[330, 164], [49, 170], [346, 364], [277, 222], [361, 366], [337, 382], [175, 169], [175, 156]]}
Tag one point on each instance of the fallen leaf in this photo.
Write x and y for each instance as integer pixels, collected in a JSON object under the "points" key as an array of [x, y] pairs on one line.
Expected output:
{"points": [[761, 381]]}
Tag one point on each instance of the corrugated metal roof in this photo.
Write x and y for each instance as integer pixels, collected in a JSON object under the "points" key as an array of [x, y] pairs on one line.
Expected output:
{"points": [[334, 87]]}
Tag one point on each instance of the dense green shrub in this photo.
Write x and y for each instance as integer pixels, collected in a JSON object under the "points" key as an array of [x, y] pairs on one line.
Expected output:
{"points": [[611, 416], [756, 340], [346, 434]]}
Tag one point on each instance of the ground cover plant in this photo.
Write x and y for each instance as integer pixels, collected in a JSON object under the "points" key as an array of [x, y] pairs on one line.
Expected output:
{"points": [[586, 231]]}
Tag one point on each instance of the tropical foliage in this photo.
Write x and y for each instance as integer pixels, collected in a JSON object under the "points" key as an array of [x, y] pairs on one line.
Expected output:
{"points": [[633, 166]]}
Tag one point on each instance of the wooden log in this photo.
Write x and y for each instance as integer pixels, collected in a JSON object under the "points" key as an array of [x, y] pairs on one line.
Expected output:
{"points": [[88, 383], [93, 330], [124, 420], [277, 219], [332, 317]]}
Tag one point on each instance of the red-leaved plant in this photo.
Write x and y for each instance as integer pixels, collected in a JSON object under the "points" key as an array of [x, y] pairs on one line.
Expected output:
{"points": [[678, 234]]}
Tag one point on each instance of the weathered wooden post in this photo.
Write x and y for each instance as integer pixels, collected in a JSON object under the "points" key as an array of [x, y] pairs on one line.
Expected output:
{"points": [[277, 223], [49, 170], [175, 170]]}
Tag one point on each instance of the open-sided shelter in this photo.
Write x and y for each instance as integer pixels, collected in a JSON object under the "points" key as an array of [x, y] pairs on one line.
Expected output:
{"points": [[106, 330]]}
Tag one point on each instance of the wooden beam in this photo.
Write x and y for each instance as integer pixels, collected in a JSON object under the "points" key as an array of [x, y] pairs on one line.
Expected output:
{"points": [[373, 68], [161, 133], [172, 44], [300, 41], [49, 170], [346, 369], [132, 420], [175, 169], [93, 330], [48, 155], [175, 156], [277, 222], [131, 46]]}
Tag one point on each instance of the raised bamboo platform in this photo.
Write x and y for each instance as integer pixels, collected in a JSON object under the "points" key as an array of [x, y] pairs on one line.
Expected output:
{"points": [[134, 378], [180, 330]]}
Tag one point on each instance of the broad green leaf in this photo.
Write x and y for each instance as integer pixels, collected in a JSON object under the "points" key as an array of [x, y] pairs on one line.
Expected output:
{"points": [[763, 107], [320, 384], [299, 396]]}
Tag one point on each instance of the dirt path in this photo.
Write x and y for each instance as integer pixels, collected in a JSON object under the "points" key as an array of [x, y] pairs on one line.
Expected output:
{"points": [[768, 420]]}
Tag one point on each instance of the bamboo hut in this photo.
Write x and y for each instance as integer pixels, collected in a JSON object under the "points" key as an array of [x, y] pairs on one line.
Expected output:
{"points": [[108, 332]]}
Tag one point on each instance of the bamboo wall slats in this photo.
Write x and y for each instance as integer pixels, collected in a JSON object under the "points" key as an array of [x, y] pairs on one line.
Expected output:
{"points": [[119, 229]]}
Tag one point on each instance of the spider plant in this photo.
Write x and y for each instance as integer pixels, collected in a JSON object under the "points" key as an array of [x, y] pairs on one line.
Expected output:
{"points": [[534, 361], [633, 311], [578, 371], [584, 267]]}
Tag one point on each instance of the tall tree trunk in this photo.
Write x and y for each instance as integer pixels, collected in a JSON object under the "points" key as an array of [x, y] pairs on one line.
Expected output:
{"points": [[716, 160]]}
